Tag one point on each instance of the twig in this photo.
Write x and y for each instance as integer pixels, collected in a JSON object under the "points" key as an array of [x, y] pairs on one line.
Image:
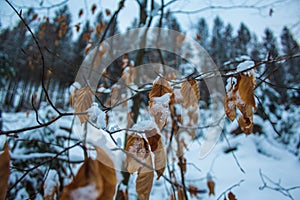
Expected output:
{"points": [[230, 188], [42, 163], [277, 187], [41, 53], [233, 154]]}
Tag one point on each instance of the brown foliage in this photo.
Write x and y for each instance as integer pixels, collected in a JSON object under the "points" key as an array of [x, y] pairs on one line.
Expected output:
{"points": [[190, 93], [4, 172]]}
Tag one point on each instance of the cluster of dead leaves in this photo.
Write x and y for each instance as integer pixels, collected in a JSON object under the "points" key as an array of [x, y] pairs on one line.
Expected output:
{"points": [[140, 154], [190, 94], [241, 95]]}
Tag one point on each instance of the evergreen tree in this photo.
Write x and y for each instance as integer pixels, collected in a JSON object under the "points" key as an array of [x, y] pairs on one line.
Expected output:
{"points": [[290, 48], [242, 40], [217, 47], [255, 50], [228, 41], [203, 33]]}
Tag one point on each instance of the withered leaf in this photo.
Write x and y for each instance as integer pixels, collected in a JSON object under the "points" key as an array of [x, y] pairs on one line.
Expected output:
{"points": [[211, 187], [107, 12], [231, 196], [246, 124], [193, 190], [190, 93], [144, 184], [137, 149], [80, 13], [5, 171], [94, 7], [158, 150], [180, 194], [246, 89], [144, 180], [160, 87], [94, 176], [230, 103], [82, 100]]}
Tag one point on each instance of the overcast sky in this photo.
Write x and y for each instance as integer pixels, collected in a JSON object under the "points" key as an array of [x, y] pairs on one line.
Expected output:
{"points": [[286, 12]]}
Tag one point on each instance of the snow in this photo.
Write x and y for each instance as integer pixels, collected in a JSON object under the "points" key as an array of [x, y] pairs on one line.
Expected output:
{"points": [[97, 116], [51, 182], [88, 192], [254, 153], [244, 66]]}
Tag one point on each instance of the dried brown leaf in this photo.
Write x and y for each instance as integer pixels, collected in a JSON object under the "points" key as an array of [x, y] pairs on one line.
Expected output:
{"points": [[137, 148], [180, 194], [77, 26], [246, 124], [246, 89], [94, 7], [160, 87], [158, 150], [231, 196], [82, 100], [145, 177], [179, 39], [211, 187], [193, 191], [94, 175], [4, 172], [190, 93], [107, 12], [80, 13], [144, 184], [34, 16]]}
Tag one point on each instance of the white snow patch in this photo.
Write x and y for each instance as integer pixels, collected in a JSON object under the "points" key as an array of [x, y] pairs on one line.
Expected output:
{"points": [[51, 183], [88, 192]]}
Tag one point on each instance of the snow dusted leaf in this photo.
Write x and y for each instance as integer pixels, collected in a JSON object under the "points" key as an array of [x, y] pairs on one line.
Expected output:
{"points": [[160, 87], [230, 102], [246, 89], [160, 109], [4, 171], [241, 95], [231, 196], [82, 101], [93, 181], [138, 148], [190, 93], [158, 150]]}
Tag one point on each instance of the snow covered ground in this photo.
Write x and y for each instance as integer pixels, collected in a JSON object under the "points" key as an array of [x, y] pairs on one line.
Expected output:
{"points": [[254, 153]]}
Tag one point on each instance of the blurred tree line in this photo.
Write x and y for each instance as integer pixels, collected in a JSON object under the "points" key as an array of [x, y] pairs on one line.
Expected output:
{"points": [[21, 67]]}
